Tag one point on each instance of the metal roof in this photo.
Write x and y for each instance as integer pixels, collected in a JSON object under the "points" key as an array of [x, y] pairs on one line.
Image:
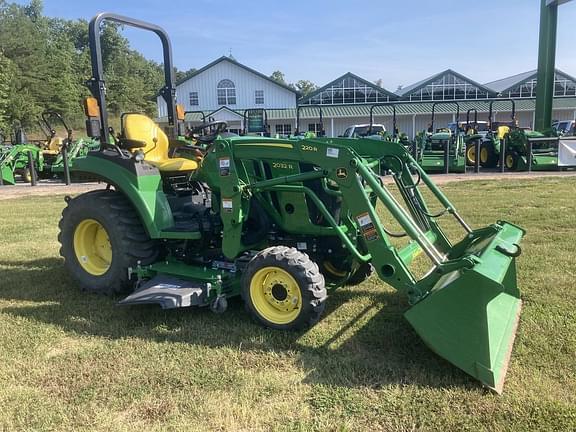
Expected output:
{"points": [[402, 108], [506, 84], [511, 81], [343, 77], [405, 91]]}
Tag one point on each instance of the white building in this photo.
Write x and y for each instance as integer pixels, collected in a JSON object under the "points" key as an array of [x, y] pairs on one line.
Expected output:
{"points": [[225, 88]]}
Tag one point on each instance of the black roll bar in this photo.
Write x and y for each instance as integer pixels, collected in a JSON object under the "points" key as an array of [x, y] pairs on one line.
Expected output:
{"points": [[393, 117], [475, 117], [445, 103], [97, 83], [490, 112], [298, 118]]}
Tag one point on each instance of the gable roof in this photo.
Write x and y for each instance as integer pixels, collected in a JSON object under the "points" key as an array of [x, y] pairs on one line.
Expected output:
{"points": [[506, 84], [236, 63], [405, 91], [348, 75]]}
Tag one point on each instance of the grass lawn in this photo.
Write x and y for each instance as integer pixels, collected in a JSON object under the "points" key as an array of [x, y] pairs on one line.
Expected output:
{"points": [[75, 361]]}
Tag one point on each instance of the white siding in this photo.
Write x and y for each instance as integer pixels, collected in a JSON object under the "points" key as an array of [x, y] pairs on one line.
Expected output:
{"points": [[245, 82]]}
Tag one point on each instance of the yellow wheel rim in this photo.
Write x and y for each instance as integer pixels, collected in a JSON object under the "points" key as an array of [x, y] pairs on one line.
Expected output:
{"points": [[275, 295], [92, 247], [483, 155], [509, 161], [471, 154]]}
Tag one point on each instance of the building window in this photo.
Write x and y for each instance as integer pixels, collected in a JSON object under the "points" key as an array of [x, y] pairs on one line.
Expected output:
{"points": [[449, 87], [283, 129], [259, 97], [315, 127], [348, 91], [194, 98], [226, 93]]}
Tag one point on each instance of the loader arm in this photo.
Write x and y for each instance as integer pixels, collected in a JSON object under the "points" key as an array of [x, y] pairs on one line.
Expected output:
{"points": [[467, 306]]}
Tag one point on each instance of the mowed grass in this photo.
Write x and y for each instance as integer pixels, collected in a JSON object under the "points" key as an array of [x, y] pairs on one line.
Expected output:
{"points": [[75, 361]]}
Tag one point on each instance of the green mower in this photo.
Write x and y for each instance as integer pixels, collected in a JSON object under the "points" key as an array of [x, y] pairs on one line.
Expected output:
{"points": [[442, 150], [280, 222]]}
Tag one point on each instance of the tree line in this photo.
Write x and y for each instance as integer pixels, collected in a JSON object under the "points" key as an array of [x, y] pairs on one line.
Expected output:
{"points": [[45, 62]]}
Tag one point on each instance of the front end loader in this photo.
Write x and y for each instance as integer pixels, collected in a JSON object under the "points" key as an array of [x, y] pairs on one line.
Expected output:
{"points": [[280, 222]]}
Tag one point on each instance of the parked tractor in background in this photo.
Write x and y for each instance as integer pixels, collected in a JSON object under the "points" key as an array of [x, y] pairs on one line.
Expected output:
{"points": [[381, 132], [17, 157], [53, 151], [518, 144], [318, 131], [474, 133], [436, 147]]}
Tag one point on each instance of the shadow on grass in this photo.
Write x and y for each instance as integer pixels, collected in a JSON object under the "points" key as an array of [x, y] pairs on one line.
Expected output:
{"points": [[383, 350]]}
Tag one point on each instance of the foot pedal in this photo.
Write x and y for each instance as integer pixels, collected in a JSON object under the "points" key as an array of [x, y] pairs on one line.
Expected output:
{"points": [[169, 293]]}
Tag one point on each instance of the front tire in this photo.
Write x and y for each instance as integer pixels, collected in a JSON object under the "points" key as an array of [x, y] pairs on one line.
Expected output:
{"points": [[283, 289], [101, 237]]}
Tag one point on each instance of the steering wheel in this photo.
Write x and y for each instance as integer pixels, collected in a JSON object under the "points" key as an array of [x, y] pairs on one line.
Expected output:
{"points": [[215, 128]]}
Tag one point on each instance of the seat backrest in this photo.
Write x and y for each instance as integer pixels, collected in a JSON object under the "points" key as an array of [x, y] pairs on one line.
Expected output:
{"points": [[502, 131], [142, 128], [55, 144]]}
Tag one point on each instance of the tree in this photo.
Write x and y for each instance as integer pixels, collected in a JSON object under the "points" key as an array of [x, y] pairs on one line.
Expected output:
{"points": [[305, 87], [5, 73], [183, 75], [278, 77], [379, 82]]}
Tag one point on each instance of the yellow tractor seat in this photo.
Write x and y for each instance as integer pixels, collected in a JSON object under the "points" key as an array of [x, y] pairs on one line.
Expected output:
{"points": [[138, 127], [502, 131], [54, 146]]}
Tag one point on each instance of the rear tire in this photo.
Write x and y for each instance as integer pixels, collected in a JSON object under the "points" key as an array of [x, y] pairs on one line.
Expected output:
{"points": [[283, 289], [488, 156], [101, 237]]}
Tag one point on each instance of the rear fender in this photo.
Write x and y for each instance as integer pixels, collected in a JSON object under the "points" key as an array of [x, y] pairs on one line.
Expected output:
{"points": [[144, 190]]}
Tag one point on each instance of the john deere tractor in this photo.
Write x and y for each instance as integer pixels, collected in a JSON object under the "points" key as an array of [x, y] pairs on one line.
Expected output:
{"points": [[53, 151], [15, 158], [280, 222], [442, 150], [518, 145]]}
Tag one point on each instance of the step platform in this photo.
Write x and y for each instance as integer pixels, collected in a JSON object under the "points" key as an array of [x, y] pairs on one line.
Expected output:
{"points": [[169, 293]]}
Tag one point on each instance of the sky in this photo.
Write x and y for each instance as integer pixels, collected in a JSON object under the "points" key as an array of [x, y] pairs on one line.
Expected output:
{"points": [[399, 42]]}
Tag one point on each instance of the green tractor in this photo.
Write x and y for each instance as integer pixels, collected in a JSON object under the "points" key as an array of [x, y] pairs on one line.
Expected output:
{"points": [[442, 150], [15, 158], [60, 154], [396, 135], [280, 222], [474, 134], [518, 145]]}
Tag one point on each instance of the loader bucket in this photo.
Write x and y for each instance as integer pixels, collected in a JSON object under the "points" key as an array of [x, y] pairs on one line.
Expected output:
{"points": [[7, 175], [470, 316]]}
